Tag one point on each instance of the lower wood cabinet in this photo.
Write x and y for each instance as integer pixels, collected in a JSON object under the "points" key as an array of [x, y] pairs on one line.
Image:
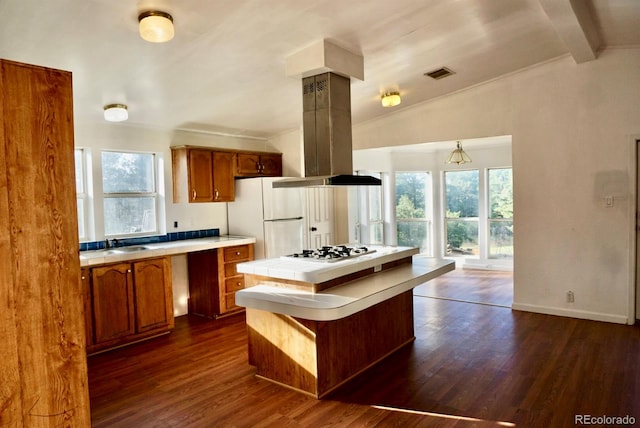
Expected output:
{"points": [[127, 302], [214, 280]]}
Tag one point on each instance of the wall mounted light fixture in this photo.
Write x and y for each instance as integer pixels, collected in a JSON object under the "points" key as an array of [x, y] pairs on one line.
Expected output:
{"points": [[390, 99], [458, 156], [115, 112], [156, 26]]}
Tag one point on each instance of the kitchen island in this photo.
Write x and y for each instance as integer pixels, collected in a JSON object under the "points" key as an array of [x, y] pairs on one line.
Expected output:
{"points": [[312, 326]]}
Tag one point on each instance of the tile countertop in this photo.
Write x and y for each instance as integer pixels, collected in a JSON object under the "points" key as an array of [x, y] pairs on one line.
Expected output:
{"points": [[159, 249], [316, 272], [344, 300]]}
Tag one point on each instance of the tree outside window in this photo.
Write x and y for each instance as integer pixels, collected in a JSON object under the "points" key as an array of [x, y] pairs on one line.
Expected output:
{"points": [[130, 195], [461, 217], [413, 218], [500, 213]]}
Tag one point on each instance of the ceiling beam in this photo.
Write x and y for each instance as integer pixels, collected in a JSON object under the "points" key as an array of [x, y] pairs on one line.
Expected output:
{"points": [[574, 23]]}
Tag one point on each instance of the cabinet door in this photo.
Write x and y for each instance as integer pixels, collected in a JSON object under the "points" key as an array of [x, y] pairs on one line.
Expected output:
{"points": [[247, 164], [113, 309], [271, 164], [203, 283], [153, 297], [223, 185], [200, 176], [85, 283]]}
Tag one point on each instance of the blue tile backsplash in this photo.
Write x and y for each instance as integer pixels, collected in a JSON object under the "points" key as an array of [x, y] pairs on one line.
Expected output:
{"points": [[174, 236]]}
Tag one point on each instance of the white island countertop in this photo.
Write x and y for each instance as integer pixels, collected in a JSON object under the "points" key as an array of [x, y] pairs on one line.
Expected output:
{"points": [[344, 300], [159, 249], [316, 272]]}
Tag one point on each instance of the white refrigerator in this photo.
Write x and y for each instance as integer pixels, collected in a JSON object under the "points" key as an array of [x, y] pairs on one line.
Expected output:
{"points": [[274, 216]]}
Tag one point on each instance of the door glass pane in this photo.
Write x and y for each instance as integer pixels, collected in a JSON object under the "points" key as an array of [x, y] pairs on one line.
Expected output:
{"points": [[461, 217], [500, 213], [412, 219], [500, 239], [79, 171]]}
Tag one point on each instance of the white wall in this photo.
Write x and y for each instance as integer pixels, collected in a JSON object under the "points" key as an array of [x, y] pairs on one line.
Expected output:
{"points": [[572, 128]]}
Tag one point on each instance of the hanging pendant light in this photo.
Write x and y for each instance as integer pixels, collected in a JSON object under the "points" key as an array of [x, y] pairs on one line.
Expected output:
{"points": [[458, 156]]}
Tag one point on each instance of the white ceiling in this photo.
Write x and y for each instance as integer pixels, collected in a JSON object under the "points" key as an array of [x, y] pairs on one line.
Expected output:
{"points": [[225, 68]]}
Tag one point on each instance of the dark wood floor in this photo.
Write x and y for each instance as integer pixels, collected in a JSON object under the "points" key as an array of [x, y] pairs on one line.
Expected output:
{"points": [[470, 365], [471, 285]]}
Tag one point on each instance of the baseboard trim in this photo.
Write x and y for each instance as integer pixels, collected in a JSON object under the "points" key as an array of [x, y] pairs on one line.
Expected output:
{"points": [[572, 313]]}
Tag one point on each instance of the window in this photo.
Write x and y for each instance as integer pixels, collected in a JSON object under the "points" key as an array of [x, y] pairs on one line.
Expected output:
{"points": [[130, 193], [413, 210], [461, 216], [369, 221], [81, 194], [500, 213]]}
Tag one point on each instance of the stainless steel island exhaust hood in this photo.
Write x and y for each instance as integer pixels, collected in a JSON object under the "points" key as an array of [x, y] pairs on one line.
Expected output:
{"points": [[328, 155]]}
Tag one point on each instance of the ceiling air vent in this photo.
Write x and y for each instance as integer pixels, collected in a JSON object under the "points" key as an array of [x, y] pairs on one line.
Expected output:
{"points": [[439, 73]]}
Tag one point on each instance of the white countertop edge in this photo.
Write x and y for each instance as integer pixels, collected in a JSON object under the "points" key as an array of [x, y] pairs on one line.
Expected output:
{"points": [[160, 249], [318, 272], [347, 299]]}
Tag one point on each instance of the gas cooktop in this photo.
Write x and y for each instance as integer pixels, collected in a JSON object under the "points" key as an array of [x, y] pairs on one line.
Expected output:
{"points": [[332, 253]]}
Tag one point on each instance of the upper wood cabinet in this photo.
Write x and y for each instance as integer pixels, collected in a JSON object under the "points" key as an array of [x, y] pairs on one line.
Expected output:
{"points": [[258, 164], [202, 175], [223, 184]]}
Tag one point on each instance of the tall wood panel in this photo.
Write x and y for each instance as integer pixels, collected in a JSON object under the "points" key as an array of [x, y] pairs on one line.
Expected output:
{"points": [[43, 368]]}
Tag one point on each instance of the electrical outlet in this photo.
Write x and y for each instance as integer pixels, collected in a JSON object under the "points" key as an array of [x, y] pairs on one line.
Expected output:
{"points": [[608, 201], [570, 297], [175, 224]]}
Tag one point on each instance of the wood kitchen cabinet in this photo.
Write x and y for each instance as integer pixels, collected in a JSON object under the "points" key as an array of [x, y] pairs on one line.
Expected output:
{"points": [[258, 164], [202, 175], [229, 280], [223, 184], [128, 302], [214, 280]]}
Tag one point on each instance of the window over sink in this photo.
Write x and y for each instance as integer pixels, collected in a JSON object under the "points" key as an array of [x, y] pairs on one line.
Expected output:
{"points": [[130, 192]]}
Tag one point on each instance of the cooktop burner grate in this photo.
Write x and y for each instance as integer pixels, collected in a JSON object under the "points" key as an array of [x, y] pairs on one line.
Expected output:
{"points": [[331, 253]]}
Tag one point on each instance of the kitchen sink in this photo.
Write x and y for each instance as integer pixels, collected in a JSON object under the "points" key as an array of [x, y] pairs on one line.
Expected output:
{"points": [[131, 249]]}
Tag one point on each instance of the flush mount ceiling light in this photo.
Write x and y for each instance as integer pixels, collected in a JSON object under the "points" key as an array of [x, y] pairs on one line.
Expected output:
{"points": [[458, 156], [156, 26], [115, 112], [391, 99]]}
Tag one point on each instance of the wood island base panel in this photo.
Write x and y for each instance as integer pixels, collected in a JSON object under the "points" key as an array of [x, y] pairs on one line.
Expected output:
{"points": [[314, 341], [316, 357]]}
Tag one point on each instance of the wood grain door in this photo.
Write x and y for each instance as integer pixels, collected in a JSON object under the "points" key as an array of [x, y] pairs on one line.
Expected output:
{"points": [[271, 165], [223, 184], [200, 176], [153, 299], [113, 308]]}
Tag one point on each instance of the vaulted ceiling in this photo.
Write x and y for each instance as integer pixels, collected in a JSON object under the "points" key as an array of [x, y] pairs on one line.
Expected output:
{"points": [[225, 68]]}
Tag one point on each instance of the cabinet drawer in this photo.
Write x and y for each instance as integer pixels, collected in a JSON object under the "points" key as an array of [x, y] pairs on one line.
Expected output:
{"points": [[234, 284], [232, 254], [230, 301], [230, 269]]}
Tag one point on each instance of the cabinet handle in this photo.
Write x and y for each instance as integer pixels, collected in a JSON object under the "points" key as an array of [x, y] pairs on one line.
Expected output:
{"points": [[239, 283], [237, 253], [258, 166], [82, 277], [194, 195], [217, 194], [128, 270]]}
